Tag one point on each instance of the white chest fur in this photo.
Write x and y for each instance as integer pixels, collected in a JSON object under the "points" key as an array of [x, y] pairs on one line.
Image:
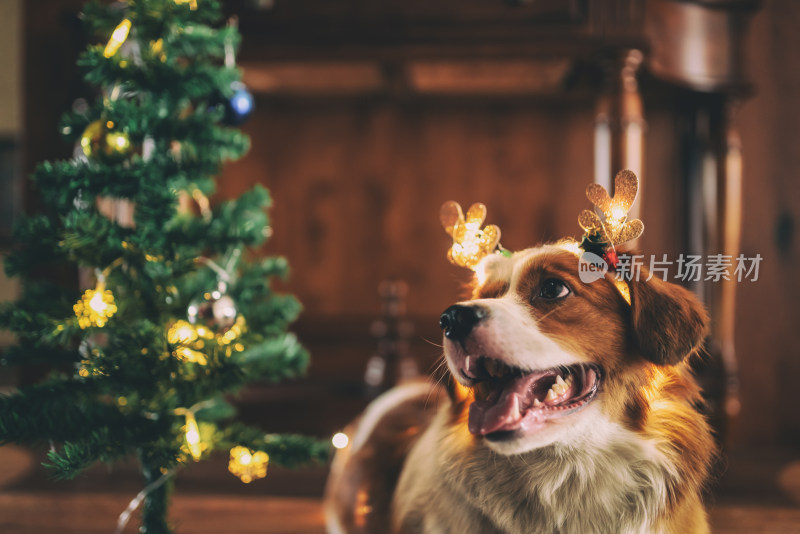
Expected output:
{"points": [[608, 480]]}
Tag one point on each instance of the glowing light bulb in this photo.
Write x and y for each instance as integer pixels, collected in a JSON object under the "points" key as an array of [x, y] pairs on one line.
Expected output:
{"points": [[192, 436], [190, 355], [187, 336], [120, 141], [248, 465], [95, 307], [470, 243], [614, 229], [118, 37], [618, 213], [181, 332], [340, 440], [97, 304]]}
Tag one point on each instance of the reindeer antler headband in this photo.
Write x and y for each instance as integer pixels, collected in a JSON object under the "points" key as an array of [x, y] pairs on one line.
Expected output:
{"points": [[470, 243], [602, 232], [602, 236]]}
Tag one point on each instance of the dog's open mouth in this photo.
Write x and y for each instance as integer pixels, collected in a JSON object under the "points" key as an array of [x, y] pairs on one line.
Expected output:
{"points": [[508, 399]]}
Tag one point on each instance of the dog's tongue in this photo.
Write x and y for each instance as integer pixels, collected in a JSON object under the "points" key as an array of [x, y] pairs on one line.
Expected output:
{"points": [[503, 410]]}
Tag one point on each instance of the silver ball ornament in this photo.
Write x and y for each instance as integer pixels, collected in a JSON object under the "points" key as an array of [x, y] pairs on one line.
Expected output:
{"points": [[215, 310]]}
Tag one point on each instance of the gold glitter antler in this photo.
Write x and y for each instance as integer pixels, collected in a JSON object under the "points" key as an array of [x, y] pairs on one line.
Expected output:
{"points": [[614, 229], [470, 243]]}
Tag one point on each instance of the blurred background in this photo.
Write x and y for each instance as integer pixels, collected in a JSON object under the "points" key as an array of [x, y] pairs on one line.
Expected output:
{"points": [[369, 115]]}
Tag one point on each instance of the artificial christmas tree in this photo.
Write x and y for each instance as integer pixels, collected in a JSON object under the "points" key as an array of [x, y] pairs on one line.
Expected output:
{"points": [[176, 316]]}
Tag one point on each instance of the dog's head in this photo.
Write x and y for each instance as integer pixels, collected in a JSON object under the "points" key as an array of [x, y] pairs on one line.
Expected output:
{"points": [[546, 355]]}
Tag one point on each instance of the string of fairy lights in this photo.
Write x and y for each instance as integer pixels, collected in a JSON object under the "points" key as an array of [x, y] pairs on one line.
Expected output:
{"points": [[97, 306], [189, 338]]}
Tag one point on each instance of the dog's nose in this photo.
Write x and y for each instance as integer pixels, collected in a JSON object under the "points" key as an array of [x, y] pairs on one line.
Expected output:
{"points": [[458, 320]]}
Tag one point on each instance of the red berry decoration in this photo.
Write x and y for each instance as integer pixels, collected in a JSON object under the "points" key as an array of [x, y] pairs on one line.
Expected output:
{"points": [[611, 258]]}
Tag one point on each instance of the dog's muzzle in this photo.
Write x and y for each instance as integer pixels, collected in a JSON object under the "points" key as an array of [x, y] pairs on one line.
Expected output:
{"points": [[458, 320]]}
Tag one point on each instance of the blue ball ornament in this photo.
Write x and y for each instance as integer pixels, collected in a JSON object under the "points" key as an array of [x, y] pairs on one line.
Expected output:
{"points": [[239, 106]]}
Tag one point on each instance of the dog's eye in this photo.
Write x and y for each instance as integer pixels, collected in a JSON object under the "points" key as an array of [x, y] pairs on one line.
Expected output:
{"points": [[553, 288]]}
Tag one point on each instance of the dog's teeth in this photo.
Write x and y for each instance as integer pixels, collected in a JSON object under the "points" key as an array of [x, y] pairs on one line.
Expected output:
{"points": [[537, 403], [466, 363], [515, 414], [557, 388], [551, 395], [560, 381]]}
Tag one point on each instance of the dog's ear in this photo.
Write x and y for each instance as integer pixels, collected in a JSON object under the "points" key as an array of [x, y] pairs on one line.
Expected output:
{"points": [[669, 322]]}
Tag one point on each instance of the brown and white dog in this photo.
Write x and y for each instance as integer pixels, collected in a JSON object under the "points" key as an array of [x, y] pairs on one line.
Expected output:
{"points": [[571, 411]]}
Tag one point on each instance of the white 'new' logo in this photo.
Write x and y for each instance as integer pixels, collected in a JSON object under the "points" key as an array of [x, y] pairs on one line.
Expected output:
{"points": [[591, 267]]}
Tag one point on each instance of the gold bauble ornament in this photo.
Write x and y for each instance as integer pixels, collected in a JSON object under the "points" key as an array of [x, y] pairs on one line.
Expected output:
{"points": [[100, 141]]}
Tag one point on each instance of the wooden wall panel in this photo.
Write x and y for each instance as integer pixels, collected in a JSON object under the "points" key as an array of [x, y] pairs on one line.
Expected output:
{"points": [[358, 186], [768, 314]]}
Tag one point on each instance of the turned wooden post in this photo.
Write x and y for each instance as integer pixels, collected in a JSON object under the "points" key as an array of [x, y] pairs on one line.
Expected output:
{"points": [[620, 125]]}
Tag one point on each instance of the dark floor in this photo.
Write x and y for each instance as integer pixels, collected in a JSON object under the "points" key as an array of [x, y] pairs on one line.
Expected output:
{"points": [[758, 493]]}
